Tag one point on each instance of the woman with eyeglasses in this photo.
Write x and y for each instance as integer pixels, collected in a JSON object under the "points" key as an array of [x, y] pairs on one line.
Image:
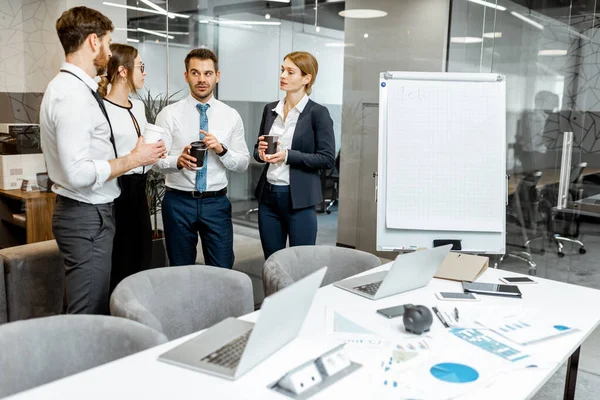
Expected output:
{"points": [[132, 245]]}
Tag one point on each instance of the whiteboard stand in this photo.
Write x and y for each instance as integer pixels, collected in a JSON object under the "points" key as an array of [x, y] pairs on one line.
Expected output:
{"points": [[442, 161]]}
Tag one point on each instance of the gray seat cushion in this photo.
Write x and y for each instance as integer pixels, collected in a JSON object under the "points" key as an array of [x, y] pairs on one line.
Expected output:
{"points": [[293, 263], [181, 300], [41, 350], [34, 280]]}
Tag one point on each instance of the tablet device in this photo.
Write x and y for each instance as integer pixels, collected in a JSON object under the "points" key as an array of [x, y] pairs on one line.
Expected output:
{"points": [[492, 289], [515, 280], [456, 296]]}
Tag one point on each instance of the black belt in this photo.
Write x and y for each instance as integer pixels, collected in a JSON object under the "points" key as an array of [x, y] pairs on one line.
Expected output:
{"points": [[277, 188], [199, 195], [68, 200]]}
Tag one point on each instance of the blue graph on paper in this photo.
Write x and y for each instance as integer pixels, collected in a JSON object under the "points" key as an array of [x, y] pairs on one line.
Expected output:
{"points": [[514, 329], [491, 345], [454, 373], [514, 326]]}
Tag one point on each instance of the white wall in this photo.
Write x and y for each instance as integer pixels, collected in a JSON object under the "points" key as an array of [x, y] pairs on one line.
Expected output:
{"points": [[28, 44], [250, 61], [154, 56], [30, 52]]}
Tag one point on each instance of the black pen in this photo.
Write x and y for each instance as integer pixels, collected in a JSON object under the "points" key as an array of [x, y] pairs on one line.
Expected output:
{"points": [[456, 313], [437, 313]]}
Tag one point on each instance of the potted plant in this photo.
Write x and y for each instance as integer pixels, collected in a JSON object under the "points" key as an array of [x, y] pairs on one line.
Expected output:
{"points": [[155, 183]]}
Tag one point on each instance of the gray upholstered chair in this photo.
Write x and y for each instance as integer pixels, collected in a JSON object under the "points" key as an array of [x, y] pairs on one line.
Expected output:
{"points": [[181, 300], [34, 281], [293, 263], [41, 350]]}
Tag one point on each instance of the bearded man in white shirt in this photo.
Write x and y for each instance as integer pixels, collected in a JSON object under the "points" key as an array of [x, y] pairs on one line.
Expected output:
{"points": [[82, 160], [195, 201]]}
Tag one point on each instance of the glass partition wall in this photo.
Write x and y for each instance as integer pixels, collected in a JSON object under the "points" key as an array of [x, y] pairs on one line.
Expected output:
{"points": [[549, 55], [250, 39]]}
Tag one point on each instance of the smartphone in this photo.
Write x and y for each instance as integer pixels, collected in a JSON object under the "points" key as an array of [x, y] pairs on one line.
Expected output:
{"points": [[517, 279], [456, 296], [392, 312]]}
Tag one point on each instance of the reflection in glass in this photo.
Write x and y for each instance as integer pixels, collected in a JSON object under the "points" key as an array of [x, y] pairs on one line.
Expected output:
{"points": [[549, 55]]}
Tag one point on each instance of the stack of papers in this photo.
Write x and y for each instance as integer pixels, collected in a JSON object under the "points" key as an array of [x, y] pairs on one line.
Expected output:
{"points": [[523, 330]]}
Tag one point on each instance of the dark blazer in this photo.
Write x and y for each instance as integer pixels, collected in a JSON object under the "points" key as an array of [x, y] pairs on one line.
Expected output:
{"points": [[313, 149]]}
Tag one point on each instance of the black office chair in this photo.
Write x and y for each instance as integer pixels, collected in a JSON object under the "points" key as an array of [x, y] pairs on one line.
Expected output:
{"points": [[564, 226], [522, 219], [330, 180]]}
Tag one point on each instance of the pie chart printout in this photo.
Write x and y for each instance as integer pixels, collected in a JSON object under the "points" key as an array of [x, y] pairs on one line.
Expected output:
{"points": [[454, 373]]}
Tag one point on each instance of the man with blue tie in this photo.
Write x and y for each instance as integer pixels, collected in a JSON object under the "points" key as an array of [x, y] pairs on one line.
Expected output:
{"points": [[195, 201]]}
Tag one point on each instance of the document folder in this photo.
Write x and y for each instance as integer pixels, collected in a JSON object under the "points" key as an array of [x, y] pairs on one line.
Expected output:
{"points": [[462, 267]]}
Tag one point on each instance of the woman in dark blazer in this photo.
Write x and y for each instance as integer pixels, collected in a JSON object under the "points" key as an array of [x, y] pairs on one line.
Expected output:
{"points": [[290, 187]]}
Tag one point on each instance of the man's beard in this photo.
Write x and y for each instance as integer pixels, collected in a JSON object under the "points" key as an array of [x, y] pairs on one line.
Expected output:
{"points": [[101, 62], [200, 96]]}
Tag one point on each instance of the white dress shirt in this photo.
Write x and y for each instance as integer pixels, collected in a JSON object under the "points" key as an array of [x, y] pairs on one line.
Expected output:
{"points": [[75, 138], [279, 174], [181, 122], [121, 119]]}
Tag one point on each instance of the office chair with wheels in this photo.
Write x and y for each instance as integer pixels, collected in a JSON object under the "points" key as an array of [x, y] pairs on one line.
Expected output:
{"points": [[564, 226], [522, 215]]}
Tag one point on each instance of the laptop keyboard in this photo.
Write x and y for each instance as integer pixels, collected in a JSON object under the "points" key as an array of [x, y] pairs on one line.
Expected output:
{"points": [[230, 354], [369, 288]]}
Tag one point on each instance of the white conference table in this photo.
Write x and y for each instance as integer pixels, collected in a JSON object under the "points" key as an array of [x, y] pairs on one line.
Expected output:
{"points": [[142, 376]]}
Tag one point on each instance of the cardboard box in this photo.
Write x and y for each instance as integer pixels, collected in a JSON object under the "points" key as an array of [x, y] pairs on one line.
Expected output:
{"points": [[462, 267]]}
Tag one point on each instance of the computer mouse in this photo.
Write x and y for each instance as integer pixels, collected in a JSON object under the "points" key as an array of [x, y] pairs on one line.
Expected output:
{"points": [[417, 319]]}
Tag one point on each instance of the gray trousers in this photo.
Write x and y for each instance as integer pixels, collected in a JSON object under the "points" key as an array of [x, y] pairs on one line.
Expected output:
{"points": [[84, 234]]}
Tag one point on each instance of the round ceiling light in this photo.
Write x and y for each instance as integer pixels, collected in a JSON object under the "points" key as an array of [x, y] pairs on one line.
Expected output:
{"points": [[362, 13]]}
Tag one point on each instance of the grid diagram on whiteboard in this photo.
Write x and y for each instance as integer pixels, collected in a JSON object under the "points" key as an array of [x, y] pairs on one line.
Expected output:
{"points": [[445, 155]]}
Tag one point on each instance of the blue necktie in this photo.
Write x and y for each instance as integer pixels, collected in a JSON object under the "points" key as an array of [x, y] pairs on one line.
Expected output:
{"points": [[201, 174]]}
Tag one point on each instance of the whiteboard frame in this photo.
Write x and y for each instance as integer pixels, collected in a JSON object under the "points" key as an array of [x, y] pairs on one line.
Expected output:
{"points": [[409, 239]]}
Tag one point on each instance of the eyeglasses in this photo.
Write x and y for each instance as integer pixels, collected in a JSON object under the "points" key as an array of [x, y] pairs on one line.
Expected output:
{"points": [[142, 67]]}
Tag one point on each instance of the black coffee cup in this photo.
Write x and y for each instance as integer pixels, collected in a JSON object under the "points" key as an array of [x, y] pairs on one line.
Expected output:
{"points": [[198, 151], [271, 143]]}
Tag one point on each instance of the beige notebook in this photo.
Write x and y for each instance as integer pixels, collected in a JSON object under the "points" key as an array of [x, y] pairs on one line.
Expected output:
{"points": [[462, 267]]}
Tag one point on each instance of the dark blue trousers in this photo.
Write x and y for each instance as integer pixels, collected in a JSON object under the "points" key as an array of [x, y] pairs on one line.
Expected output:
{"points": [[277, 220], [184, 217]]}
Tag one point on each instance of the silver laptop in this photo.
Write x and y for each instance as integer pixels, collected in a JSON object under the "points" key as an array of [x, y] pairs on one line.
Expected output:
{"points": [[409, 271], [233, 347]]}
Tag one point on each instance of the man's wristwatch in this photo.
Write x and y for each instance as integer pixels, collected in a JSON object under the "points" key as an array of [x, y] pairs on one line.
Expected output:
{"points": [[225, 149]]}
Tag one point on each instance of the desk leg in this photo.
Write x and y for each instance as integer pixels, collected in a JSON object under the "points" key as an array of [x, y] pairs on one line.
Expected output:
{"points": [[571, 381]]}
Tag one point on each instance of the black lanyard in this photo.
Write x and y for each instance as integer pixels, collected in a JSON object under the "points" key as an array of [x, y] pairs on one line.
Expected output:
{"points": [[101, 104]]}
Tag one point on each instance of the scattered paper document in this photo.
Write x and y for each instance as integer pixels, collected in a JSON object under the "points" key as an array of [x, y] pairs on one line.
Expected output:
{"points": [[346, 325], [485, 342], [443, 368], [524, 330]]}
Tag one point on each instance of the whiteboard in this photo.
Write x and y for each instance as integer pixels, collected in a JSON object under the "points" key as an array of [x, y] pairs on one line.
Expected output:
{"points": [[442, 161]]}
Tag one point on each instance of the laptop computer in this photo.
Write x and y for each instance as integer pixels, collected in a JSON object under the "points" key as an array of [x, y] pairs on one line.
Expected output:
{"points": [[233, 347], [409, 271]]}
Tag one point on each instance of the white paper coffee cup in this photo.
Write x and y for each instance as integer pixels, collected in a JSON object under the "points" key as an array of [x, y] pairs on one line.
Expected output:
{"points": [[153, 133]]}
